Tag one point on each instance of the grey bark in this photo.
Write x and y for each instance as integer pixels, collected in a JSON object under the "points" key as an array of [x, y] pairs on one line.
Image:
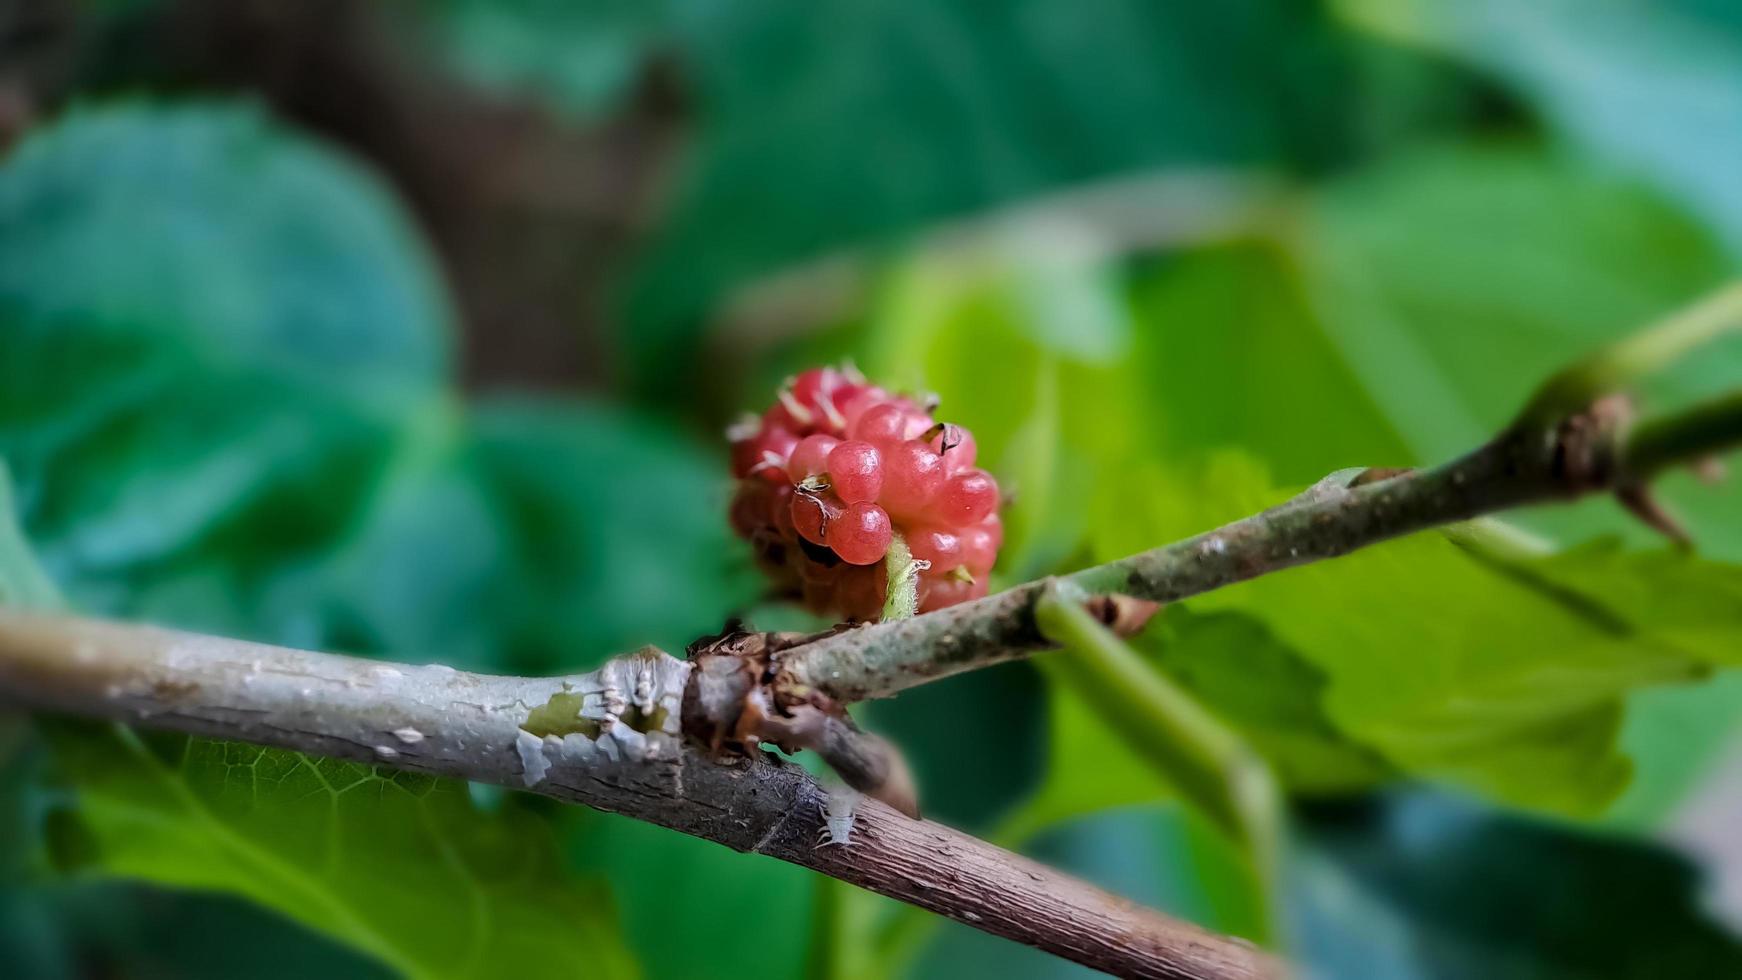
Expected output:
{"points": [[607, 739]]}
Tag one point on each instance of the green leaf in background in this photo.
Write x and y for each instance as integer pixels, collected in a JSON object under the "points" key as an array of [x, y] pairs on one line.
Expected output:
{"points": [[1437, 660], [1233, 665], [1230, 354], [974, 741], [208, 322], [527, 535], [71, 930], [838, 124], [1420, 886], [1088, 769], [396, 865], [1454, 280], [1686, 601], [1656, 88], [51, 928], [617, 527], [1025, 354], [576, 58], [243, 427], [672, 887], [22, 581]]}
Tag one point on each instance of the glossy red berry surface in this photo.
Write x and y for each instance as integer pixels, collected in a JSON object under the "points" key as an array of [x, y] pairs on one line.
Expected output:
{"points": [[966, 498], [810, 457], [835, 468], [855, 471]]}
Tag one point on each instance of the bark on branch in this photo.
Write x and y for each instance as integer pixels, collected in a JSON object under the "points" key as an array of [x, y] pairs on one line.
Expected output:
{"points": [[609, 739]]}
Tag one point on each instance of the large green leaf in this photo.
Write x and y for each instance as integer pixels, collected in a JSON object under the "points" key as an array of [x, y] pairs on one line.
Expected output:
{"points": [[1442, 660], [223, 356], [1418, 886], [839, 124], [524, 535], [402, 868], [1230, 354], [207, 321], [658, 875], [577, 58], [1654, 87], [1454, 280], [398, 866], [1233, 665], [1687, 601], [70, 930], [23, 583], [617, 529]]}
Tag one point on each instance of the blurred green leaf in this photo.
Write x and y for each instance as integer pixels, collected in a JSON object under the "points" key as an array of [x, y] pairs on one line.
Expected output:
{"points": [[1675, 736], [1419, 886], [199, 425], [1230, 354], [1235, 666], [1656, 88], [70, 930], [617, 527], [1452, 282], [1692, 603], [576, 58], [840, 124], [396, 865], [22, 581], [974, 741], [1442, 662], [1089, 768], [53, 928], [692, 908], [525, 535], [208, 322], [1232, 665]]}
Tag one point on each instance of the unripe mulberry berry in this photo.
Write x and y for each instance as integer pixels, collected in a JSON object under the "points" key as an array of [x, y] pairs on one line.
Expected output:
{"points": [[835, 468]]}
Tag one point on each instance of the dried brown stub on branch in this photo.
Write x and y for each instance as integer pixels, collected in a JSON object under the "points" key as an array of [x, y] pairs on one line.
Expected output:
{"points": [[734, 701]]}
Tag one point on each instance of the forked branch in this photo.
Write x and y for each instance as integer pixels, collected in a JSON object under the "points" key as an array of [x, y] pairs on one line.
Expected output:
{"points": [[627, 738]]}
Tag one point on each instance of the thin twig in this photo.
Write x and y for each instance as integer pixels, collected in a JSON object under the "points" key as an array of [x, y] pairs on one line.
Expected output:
{"points": [[444, 722], [1592, 451]]}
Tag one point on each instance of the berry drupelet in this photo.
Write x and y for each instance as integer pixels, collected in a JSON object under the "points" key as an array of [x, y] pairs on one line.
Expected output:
{"points": [[835, 469]]}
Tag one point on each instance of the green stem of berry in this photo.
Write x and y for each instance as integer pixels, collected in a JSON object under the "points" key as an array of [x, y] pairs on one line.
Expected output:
{"points": [[902, 600]]}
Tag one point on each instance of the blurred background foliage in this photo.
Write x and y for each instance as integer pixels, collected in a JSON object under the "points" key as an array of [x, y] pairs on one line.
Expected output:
{"points": [[409, 330]]}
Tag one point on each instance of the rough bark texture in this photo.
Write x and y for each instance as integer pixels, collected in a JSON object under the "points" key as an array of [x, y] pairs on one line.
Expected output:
{"points": [[608, 739]]}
